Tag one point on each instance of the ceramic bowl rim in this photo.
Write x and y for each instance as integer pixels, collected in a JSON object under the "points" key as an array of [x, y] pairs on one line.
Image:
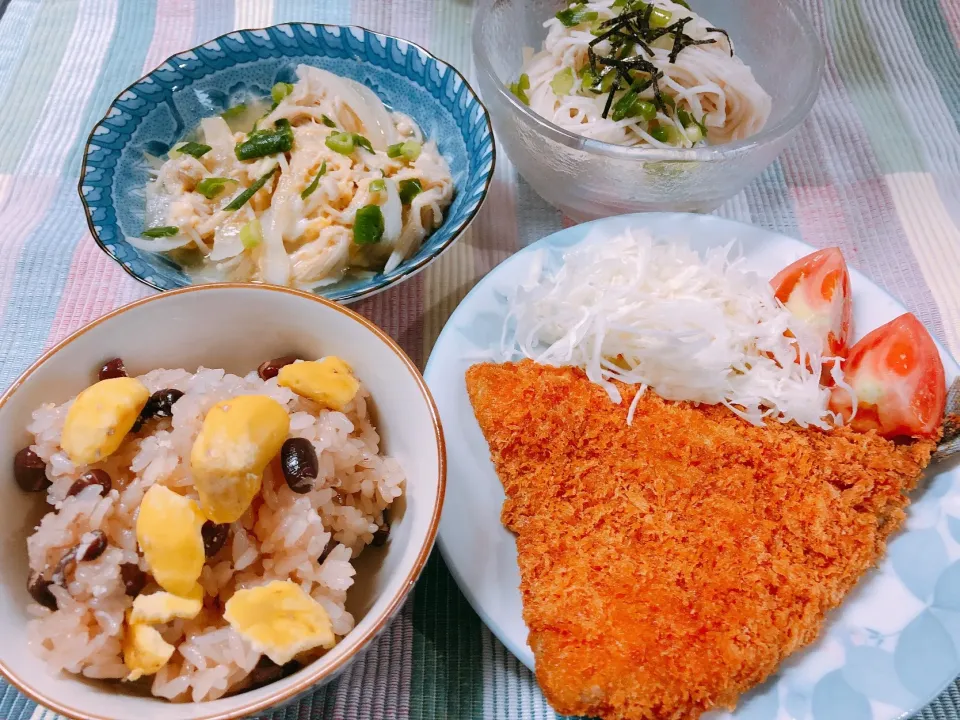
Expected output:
{"points": [[409, 267], [768, 135], [321, 673]]}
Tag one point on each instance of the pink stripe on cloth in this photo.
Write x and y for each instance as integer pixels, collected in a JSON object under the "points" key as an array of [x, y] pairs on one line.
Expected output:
{"points": [[95, 285], [172, 32], [951, 11], [820, 218]]}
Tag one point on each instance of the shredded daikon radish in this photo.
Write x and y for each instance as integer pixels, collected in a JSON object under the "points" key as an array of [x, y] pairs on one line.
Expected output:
{"points": [[658, 315]]}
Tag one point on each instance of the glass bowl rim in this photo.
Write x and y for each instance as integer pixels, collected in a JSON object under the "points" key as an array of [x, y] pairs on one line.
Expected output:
{"points": [[768, 135]]}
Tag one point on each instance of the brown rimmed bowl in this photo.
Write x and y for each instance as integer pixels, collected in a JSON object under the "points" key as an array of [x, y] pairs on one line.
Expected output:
{"points": [[235, 327]]}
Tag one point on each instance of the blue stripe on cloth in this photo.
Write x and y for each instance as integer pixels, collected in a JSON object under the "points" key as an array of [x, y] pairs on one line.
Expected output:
{"points": [[770, 203], [16, 25], [48, 252], [332, 12], [212, 18]]}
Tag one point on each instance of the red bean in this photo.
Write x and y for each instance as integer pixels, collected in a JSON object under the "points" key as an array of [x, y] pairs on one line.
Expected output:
{"points": [[30, 471], [39, 589], [92, 477], [300, 465], [270, 368], [112, 369]]}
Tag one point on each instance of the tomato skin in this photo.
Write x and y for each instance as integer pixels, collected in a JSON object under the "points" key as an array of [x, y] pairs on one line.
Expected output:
{"points": [[816, 288], [899, 381]]}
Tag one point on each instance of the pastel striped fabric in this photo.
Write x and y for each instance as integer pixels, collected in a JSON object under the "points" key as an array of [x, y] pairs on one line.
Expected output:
{"points": [[875, 170]]}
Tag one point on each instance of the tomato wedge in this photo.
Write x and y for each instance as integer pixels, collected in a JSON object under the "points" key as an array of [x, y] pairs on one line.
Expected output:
{"points": [[816, 289], [897, 375]]}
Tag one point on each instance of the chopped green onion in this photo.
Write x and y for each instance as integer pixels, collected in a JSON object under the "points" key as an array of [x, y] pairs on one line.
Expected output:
{"points": [[408, 190], [520, 87], [361, 141], [251, 234], [212, 186], [562, 82], [623, 106], [378, 185], [345, 142], [162, 231], [341, 142], [660, 18], [368, 225], [234, 111], [327, 121], [309, 189], [266, 142], [619, 3], [197, 150], [576, 15], [644, 109], [409, 149], [605, 83], [240, 200], [694, 134], [587, 77], [665, 134], [683, 3], [687, 119], [668, 100], [279, 91]]}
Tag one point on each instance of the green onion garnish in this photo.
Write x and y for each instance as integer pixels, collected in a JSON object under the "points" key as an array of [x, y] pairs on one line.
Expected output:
{"points": [[562, 82], [212, 186], [361, 141], [240, 200], [576, 15], [234, 111], [308, 190], [687, 120], [587, 78], [408, 190], [409, 149], [327, 121], [261, 143], [346, 142], [368, 226], [341, 142], [279, 91], [378, 185], [161, 231], [520, 87], [251, 234], [197, 150]]}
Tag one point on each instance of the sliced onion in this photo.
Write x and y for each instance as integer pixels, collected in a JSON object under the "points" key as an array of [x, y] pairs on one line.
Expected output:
{"points": [[364, 103], [217, 133], [392, 214], [159, 245]]}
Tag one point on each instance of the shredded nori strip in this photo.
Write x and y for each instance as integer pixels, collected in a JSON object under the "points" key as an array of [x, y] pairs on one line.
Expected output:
{"points": [[631, 29], [725, 34]]}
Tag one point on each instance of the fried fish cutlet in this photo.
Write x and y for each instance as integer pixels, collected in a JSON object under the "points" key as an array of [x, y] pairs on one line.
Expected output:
{"points": [[668, 566]]}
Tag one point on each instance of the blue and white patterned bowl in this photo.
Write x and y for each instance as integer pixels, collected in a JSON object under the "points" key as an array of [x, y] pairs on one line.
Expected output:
{"points": [[156, 111]]}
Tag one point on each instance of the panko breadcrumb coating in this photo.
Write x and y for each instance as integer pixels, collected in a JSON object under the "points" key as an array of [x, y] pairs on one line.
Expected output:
{"points": [[669, 566]]}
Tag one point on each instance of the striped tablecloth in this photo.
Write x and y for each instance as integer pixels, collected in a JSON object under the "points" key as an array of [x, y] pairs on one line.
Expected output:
{"points": [[875, 170]]}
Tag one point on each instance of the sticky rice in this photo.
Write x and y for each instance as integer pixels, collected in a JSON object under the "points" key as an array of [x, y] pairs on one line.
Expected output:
{"points": [[308, 538]]}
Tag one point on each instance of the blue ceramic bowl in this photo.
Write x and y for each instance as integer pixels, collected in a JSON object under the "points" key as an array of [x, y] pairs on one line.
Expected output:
{"points": [[155, 112]]}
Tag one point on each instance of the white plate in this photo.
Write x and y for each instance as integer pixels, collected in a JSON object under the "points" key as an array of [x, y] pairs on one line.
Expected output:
{"points": [[895, 642]]}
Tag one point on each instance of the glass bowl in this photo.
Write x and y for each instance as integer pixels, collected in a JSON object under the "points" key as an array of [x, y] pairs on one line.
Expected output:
{"points": [[587, 178]]}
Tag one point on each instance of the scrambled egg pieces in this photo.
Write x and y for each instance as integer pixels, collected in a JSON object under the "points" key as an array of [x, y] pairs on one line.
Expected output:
{"points": [[280, 620], [329, 382], [168, 530], [144, 650], [161, 607], [101, 417], [238, 438]]}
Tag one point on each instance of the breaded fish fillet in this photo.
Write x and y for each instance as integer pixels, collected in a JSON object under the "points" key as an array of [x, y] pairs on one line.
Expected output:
{"points": [[668, 566]]}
